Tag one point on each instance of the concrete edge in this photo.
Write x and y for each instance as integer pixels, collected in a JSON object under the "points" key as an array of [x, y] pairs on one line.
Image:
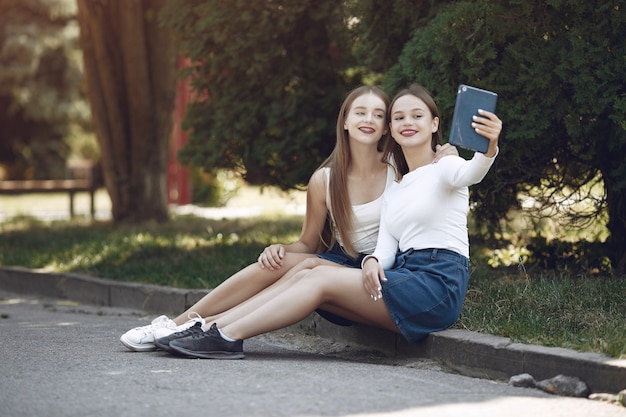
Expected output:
{"points": [[466, 352]]}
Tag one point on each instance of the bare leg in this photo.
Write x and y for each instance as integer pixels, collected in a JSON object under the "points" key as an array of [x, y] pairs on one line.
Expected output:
{"points": [[322, 286], [265, 295], [240, 287]]}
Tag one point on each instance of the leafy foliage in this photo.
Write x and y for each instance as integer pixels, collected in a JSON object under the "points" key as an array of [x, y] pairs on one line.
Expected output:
{"points": [[269, 78], [381, 28], [558, 68], [41, 96]]}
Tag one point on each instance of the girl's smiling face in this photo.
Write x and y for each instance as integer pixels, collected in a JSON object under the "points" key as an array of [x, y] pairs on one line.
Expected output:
{"points": [[412, 123], [366, 118]]}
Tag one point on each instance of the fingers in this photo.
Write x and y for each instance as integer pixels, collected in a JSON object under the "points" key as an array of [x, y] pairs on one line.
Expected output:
{"points": [[487, 124], [371, 282], [376, 290], [444, 150], [271, 257]]}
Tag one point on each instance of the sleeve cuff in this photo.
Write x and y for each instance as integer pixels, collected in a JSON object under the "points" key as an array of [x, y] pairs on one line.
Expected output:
{"points": [[367, 258], [490, 157]]}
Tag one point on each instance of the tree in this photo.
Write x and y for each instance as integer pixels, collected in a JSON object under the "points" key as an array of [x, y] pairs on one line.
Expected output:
{"points": [[381, 28], [41, 99], [130, 69], [558, 67], [269, 77]]}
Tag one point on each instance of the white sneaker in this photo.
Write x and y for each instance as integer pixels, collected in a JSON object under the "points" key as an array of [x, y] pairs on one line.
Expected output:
{"points": [[166, 331], [141, 339]]}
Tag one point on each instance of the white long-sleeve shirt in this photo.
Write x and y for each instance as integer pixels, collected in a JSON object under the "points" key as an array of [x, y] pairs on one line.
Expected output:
{"points": [[428, 208]]}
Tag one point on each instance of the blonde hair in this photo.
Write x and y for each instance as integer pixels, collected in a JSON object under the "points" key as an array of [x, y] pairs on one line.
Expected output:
{"points": [[339, 162]]}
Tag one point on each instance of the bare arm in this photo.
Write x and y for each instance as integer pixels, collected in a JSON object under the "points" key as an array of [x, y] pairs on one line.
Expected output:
{"points": [[314, 221]]}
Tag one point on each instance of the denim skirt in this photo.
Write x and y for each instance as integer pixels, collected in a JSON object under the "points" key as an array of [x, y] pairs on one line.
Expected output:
{"points": [[425, 290], [337, 255]]}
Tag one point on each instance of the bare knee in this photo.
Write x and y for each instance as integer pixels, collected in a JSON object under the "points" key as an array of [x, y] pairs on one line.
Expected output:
{"points": [[320, 274], [306, 265], [316, 269], [310, 263]]}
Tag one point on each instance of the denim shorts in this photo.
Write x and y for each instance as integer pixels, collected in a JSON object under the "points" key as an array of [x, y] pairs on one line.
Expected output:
{"points": [[337, 255], [425, 291]]}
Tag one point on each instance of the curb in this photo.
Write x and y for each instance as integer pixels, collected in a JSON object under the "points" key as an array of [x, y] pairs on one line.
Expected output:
{"points": [[467, 353]]}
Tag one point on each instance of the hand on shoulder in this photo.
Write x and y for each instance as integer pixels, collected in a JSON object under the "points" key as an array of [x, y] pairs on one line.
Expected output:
{"points": [[445, 150]]}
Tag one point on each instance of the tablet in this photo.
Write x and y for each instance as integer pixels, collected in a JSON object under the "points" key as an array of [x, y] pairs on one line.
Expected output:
{"points": [[468, 101]]}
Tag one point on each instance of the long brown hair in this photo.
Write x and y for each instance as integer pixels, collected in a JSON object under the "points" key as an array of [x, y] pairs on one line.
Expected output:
{"points": [[392, 152], [339, 162]]}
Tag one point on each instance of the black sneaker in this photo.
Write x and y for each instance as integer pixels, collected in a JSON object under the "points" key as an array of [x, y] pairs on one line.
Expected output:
{"points": [[208, 345], [164, 342]]}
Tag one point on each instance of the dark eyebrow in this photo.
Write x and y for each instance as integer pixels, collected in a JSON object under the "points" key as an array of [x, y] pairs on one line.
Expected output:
{"points": [[412, 110], [364, 108]]}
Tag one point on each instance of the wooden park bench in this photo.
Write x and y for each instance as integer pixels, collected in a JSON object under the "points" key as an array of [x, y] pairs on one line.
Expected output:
{"points": [[82, 177]]}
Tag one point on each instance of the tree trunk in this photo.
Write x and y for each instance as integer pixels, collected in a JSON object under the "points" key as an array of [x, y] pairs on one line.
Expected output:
{"points": [[130, 69]]}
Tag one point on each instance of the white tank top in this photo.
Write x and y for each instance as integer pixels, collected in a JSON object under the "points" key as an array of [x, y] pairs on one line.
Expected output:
{"points": [[366, 218]]}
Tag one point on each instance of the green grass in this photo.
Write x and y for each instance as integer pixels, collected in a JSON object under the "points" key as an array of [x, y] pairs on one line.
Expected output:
{"points": [[549, 308], [187, 252], [527, 304]]}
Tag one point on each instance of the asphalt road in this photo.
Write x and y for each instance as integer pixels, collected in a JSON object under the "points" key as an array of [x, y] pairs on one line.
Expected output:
{"points": [[63, 359]]}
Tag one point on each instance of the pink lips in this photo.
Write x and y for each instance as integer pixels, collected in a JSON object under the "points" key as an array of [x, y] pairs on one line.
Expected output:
{"points": [[367, 130], [408, 132]]}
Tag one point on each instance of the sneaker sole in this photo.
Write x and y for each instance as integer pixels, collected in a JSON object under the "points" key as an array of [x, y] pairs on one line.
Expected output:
{"points": [[166, 348], [136, 347], [216, 354]]}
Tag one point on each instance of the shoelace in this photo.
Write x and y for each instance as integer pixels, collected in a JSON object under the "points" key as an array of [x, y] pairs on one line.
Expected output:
{"points": [[156, 323], [188, 332], [193, 317], [206, 333]]}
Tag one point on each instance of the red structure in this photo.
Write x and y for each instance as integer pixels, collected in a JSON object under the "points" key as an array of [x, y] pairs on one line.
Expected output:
{"points": [[178, 181]]}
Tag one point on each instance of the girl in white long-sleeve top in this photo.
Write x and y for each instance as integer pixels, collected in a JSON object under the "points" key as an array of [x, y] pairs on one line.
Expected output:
{"points": [[420, 267]]}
